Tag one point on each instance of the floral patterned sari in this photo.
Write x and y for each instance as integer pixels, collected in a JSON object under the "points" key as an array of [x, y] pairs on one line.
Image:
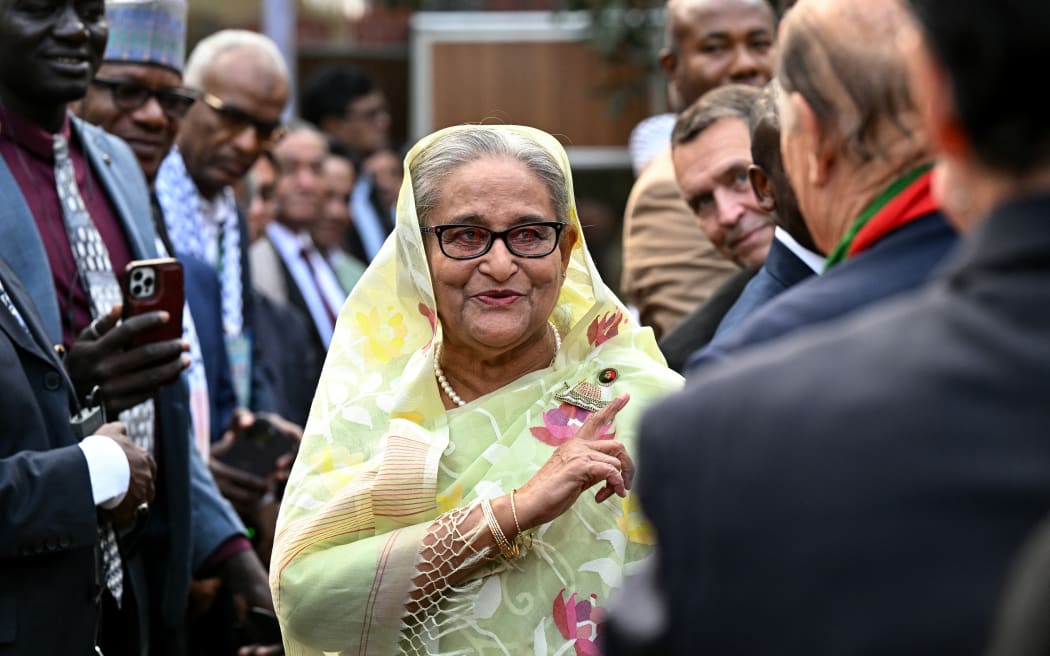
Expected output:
{"points": [[382, 459]]}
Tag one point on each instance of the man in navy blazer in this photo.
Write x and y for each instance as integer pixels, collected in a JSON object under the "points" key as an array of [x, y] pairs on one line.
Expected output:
{"points": [[714, 154], [790, 258], [870, 496], [52, 488]]}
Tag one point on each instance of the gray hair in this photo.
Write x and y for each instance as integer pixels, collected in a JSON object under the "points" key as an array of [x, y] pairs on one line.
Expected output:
{"points": [[727, 101], [435, 162], [851, 73], [297, 125], [212, 47]]}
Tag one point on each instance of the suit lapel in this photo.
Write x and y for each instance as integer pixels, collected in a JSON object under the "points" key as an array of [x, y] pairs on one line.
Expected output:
{"points": [[105, 166], [784, 266], [10, 325], [23, 251]]}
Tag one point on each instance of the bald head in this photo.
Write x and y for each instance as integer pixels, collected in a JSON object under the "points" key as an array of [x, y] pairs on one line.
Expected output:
{"points": [[842, 57], [714, 42], [245, 82], [224, 45]]}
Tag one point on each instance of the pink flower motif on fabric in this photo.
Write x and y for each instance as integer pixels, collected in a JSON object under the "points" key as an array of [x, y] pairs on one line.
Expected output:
{"points": [[579, 621], [604, 328], [562, 423], [432, 318]]}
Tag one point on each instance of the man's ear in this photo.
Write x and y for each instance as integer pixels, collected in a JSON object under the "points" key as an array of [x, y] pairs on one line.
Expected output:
{"points": [[819, 147], [668, 62], [762, 187]]}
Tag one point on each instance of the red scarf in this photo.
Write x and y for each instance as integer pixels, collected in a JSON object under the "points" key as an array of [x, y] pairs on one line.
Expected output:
{"points": [[914, 201]]}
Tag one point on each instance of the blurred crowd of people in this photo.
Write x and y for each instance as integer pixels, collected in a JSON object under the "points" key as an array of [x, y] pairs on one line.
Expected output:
{"points": [[836, 236]]}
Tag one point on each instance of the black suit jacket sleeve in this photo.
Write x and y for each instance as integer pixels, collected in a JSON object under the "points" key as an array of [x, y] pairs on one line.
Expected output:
{"points": [[46, 503]]}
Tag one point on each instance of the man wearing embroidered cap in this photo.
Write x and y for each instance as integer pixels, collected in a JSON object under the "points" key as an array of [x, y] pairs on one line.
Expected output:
{"points": [[137, 94]]}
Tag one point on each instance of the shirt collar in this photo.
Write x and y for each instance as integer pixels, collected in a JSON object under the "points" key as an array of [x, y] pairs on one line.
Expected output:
{"points": [[28, 135], [286, 240], [813, 260]]}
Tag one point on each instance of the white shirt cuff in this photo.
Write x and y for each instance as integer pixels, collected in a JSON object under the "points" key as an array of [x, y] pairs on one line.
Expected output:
{"points": [[108, 468]]}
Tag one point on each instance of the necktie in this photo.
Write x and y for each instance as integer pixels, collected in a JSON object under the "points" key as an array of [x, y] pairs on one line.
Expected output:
{"points": [[96, 274], [328, 310]]}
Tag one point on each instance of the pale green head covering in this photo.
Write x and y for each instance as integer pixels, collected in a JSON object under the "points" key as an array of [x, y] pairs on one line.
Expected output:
{"points": [[382, 461]]}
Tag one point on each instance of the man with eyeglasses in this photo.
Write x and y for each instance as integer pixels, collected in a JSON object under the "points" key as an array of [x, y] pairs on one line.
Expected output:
{"points": [[137, 95], [242, 85], [138, 99]]}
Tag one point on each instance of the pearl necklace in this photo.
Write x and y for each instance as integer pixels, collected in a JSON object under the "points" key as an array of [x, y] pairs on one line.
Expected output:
{"points": [[446, 387]]}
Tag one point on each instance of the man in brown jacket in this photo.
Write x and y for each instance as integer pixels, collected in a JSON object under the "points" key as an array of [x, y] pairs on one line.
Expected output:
{"points": [[669, 266]]}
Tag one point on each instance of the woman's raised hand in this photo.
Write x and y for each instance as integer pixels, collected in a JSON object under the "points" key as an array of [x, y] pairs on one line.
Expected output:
{"points": [[574, 467]]}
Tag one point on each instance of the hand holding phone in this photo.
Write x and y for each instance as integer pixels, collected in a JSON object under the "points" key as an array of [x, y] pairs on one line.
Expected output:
{"points": [[256, 448], [261, 627], [151, 285], [108, 352]]}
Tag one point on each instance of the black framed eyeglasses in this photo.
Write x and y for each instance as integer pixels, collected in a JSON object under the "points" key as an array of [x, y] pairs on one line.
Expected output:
{"points": [[466, 242], [128, 96], [238, 120]]}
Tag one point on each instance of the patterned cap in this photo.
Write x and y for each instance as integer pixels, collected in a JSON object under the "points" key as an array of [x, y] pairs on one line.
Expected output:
{"points": [[147, 32]]}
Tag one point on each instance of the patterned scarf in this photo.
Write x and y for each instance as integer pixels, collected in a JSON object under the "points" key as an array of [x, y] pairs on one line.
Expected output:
{"points": [[904, 201], [184, 214]]}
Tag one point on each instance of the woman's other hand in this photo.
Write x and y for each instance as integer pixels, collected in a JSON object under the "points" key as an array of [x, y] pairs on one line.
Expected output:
{"points": [[574, 467]]}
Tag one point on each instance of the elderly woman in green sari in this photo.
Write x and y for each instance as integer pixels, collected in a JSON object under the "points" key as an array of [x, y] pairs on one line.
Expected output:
{"points": [[481, 381]]}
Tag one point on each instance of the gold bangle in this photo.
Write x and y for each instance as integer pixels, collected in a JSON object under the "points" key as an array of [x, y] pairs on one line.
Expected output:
{"points": [[495, 528], [506, 548], [522, 540], [514, 513]]}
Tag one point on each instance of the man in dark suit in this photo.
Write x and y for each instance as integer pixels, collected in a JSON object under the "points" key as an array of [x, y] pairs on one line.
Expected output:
{"points": [[287, 268], [669, 267], [789, 259], [792, 256], [243, 85], [872, 492], [52, 489]]}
